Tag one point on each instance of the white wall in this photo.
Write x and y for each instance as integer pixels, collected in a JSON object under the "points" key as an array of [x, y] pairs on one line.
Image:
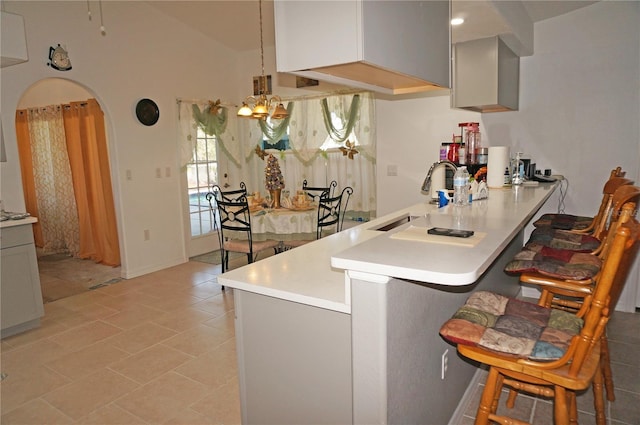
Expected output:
{"points": [[144, 54], [579, 114], [580, 105]]}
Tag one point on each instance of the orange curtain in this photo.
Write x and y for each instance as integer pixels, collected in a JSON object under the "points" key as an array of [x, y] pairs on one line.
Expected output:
{"points": [[26, 169], [89, 159]]}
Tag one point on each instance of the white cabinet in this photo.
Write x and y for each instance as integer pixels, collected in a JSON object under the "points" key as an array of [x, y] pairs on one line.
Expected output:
{"points": [[486, 76], [391, 47], [21, 295]]}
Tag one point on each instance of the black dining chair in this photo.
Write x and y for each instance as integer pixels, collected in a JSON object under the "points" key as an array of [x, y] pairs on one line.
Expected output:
{"points": [[317, 192], [233, 222], [331, 211]]}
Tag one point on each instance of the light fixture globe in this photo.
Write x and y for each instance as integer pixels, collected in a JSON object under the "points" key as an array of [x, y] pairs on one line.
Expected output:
{"points": [[244, 111]]}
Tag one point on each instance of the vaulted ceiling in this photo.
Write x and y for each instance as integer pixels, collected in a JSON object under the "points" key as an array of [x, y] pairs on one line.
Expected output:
{"points": [[235, 23]]}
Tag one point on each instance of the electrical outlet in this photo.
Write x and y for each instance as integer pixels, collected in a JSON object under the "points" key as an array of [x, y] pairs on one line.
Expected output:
{"points": [[445, 364], [147, 234], [392, 170], [158, 173]]}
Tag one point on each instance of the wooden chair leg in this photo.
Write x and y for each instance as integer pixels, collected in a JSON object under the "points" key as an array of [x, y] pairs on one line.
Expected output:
{"points": [[573, 408], [598, 397], [496, 394], [486, 401], [605, 362], [560, 407]]}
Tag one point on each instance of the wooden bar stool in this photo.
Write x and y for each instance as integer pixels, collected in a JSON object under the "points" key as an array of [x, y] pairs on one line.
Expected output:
{"points": [[567, 292], [541, 350], [588, 225]]}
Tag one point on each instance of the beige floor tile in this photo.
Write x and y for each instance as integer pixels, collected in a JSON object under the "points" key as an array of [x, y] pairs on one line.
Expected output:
{"points": [[82, 300], [143, 336], [222, 406], [133, 315], [82, 336], [36, 412], [213, 368], [171, 300], [217, 305], [92, 312], [82, 397], [32, 355], [27, 384], [205, 290], [112, 414], [199, 340], [183, 319], [46, 329], [125, 301], [226, 321], [87, 360], [150, 363], [158, 400], [188, 417]]}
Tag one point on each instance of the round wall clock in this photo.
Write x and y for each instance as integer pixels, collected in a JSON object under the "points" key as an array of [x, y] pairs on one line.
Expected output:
{"points": [[147, 112]]}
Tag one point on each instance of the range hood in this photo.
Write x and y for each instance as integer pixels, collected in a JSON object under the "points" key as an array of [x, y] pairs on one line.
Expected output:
{"points": [[391, 47], [14, 40], [486, 75]]}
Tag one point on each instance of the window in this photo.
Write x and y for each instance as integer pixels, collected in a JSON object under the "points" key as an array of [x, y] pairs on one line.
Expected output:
{"points": [[281, 145], [329, 143], [202, 173]]}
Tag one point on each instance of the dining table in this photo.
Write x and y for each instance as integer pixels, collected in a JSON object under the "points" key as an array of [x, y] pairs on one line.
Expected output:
{"points": [[284, 224]]}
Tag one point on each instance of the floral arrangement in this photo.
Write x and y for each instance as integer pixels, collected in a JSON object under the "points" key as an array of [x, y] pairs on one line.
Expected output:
{"points": [[273, 175]]}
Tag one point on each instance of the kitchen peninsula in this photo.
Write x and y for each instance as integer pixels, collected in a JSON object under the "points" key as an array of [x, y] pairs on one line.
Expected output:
{"points": [[345, 329]]}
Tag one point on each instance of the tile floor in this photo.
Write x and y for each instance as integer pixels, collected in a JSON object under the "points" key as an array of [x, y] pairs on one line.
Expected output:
{"points": [[151, 350], [160, 349]]}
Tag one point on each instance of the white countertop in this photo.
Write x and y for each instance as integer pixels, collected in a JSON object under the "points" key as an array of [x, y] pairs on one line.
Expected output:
{"points": [[21, 222], [313, 274], [499, 218]]}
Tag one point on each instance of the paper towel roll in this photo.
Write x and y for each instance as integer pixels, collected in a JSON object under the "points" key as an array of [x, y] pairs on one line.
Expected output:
{"points": [[497, 163]]}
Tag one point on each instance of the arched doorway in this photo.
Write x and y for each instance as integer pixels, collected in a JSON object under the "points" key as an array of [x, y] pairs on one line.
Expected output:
{"points": [[56, 112]]}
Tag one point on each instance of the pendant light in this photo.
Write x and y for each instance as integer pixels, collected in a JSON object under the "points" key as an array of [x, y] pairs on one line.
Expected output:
{"points": [[262, 104]]}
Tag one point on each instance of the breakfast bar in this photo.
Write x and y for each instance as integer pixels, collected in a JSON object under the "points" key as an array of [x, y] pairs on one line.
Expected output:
{"points": [[345, 329]]}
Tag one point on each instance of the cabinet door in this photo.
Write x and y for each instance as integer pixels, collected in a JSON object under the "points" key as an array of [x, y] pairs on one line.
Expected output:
{"points": [[21, 295], [312, 34]]}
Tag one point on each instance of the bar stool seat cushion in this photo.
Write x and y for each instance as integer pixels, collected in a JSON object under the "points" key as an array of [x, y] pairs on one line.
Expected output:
{"points": [[556, 263], [562, 239], [512, 327], [563, 221]]}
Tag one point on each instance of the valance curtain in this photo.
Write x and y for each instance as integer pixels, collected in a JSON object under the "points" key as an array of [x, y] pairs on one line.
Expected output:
{"points": [[67, 180]]}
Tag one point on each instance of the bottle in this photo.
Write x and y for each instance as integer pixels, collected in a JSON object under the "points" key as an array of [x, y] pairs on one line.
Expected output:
{"points": [[472, 142], [462, 155], [461, 186]]}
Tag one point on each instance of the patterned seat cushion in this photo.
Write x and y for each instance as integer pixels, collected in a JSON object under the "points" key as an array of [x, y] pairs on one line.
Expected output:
{"points": [[563, 221], [512, 327], [557, 263], [562, 239]]}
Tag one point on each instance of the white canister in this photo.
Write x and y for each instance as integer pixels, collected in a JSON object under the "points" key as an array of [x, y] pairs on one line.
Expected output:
{"points": [[498, 161]]}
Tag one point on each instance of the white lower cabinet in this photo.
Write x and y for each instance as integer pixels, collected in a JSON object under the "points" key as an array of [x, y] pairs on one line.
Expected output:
{"points": [[21, 295]]}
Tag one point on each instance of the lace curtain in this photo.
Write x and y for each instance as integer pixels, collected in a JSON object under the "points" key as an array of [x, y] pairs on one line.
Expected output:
{"points": [[53, 186]]}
